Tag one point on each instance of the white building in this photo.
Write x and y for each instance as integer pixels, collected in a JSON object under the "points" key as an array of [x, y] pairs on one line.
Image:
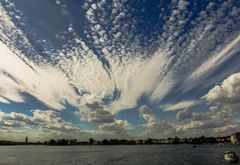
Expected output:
{"points": [[235, 138]]}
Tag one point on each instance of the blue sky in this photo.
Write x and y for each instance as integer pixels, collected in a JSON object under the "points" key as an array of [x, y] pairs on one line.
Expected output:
{"points": [[119, 68]]}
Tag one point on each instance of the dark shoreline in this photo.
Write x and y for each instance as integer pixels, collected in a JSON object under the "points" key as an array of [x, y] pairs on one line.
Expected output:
{"points": [[149, 141]]}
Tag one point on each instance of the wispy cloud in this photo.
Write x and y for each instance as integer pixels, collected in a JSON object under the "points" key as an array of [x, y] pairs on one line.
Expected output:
{"points": [[179, 105], [209, 66], [40, 82]]}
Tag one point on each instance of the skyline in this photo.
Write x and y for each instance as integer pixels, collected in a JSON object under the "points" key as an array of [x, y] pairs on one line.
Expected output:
{"points": [[231, 139], [119, 69]]}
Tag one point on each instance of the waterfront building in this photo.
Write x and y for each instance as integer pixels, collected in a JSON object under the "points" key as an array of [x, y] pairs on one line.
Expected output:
{"points": [[235, 138], [220, 139]]}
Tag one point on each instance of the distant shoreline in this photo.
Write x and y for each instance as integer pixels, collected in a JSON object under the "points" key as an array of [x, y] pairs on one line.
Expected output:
{"points": [[233, 139], [220, 144]]}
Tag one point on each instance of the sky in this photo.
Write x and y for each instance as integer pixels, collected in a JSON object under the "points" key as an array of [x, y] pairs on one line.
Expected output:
{"points": [[119, 68]]}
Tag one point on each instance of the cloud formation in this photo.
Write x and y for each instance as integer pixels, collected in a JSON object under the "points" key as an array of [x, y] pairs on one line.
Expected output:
{"points": [[38, 81], [227, 94], [117, 55], [154, 126], [41, 124], [179, 105], [184, 114], [213, 121]]}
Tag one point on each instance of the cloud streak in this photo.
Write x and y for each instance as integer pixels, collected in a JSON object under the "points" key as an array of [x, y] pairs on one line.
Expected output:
{"points": [[180, 105]]}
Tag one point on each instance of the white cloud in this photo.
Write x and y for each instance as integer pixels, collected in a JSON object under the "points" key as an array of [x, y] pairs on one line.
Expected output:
{"points": [[118, 127], [215, 60], [87, 74], [94, 6], [39, 82], [3, 100], [146, 113], [216, 121], [45, 120], [201, 45], [20, 75], [227, 94], [41, 125], [154, 127], [184, 114], [58, 2], [144, 110], [94, 112], [70, 28], [179, 105]]}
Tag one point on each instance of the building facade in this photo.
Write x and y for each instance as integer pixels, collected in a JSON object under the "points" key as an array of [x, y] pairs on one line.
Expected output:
{"points": [[235, 138]]}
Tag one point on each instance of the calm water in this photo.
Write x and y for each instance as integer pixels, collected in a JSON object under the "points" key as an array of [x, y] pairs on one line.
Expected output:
{"points": [[116, 155]]}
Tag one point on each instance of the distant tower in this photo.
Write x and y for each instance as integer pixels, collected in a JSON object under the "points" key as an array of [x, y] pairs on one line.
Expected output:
{"points": [[26, 140]]}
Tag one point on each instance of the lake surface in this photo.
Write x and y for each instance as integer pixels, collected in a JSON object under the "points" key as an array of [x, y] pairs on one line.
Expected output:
{"points": [[116, 155]]}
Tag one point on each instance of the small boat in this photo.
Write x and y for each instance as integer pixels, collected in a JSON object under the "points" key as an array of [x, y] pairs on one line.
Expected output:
{"points": [[230, 156], [194, 146]]}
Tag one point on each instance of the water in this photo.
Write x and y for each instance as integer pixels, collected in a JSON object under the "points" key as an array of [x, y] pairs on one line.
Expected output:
{"points": [[115, 155]]}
